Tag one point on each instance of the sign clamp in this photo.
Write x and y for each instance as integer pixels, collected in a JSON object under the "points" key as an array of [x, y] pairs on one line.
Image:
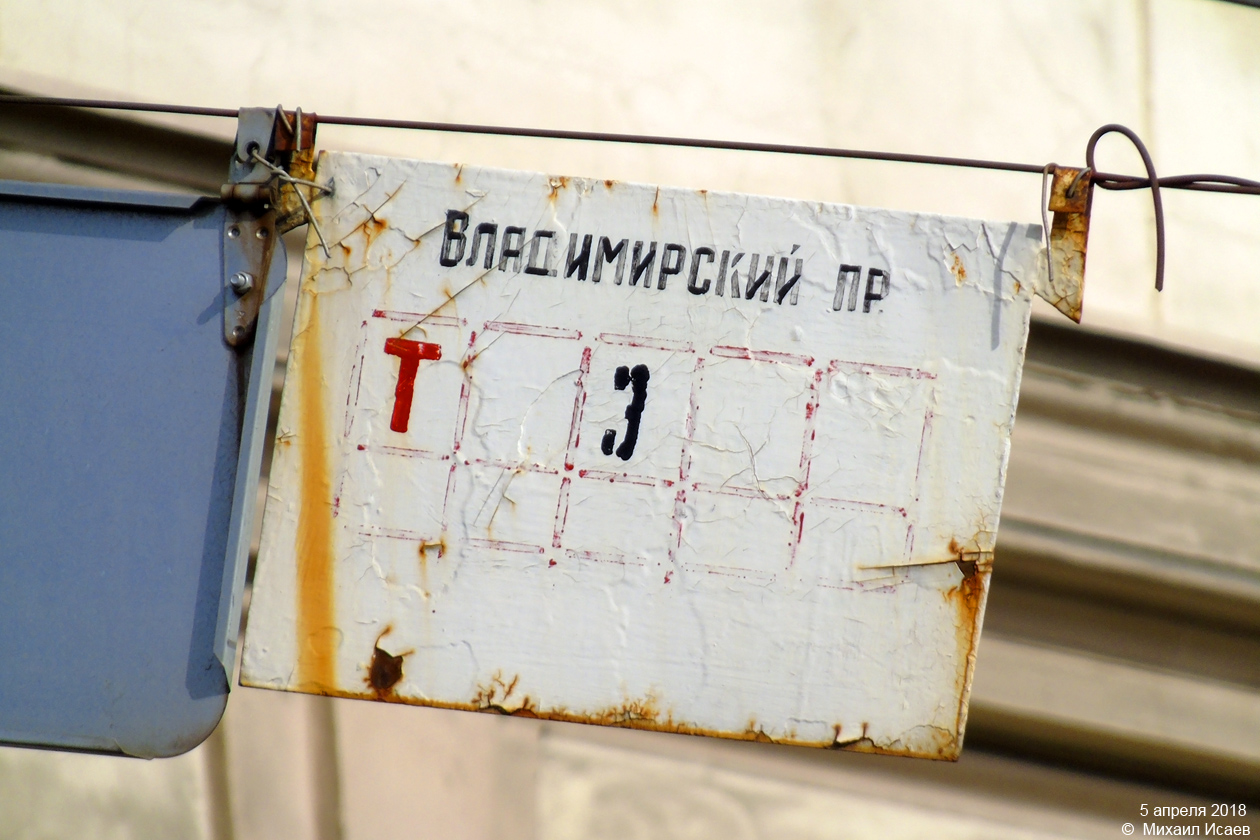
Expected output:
{"points": [[1071, 198], [258, 209]]}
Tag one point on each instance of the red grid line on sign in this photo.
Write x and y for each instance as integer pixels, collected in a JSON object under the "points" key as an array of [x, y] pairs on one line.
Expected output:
{"points": [[684, 461], [531, 329], [510, 466], [741, 492], [502, 545], [418, 318], [918, 467], [811, 431], [469, 356], [562, 513], [689, 431], [446, 498], [897, 574], [575, 434], [579, 405], [461, 413], [404, 452], [851, 504], [624, 478], [602, 557], [645, 341], [733, 571], [395, 534], [838, 365], [806, 463], [728, 352], [794, 540]]}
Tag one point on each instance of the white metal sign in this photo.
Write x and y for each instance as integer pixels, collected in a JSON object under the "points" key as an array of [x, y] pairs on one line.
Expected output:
{"points": [[648, 457]]}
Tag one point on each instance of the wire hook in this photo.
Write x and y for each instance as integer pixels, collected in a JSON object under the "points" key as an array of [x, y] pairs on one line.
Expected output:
{"points": [[306, 205], [1156, 198], [1047, 172]]}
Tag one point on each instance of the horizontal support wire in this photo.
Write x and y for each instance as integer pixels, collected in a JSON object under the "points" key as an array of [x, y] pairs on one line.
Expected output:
{"points": [[684, 142], [115, 105], [1104, 180]]}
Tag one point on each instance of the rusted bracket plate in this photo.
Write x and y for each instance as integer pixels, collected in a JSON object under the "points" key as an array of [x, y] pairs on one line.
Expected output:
{"points": [[257, 210], [296, 148], [1071, 195], [247, 243]]}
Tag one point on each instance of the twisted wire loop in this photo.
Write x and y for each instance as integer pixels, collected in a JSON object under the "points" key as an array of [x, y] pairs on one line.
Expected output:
{"points": [[1076, 182], [1151, 181], [1046, 174], [284, 176], [1201, 183], [284, 118], [295, 131]]}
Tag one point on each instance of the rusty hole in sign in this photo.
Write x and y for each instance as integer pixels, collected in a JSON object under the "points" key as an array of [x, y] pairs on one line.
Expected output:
{"points": [[968, 593], [967, 561], [851, 742], [386, 669]]}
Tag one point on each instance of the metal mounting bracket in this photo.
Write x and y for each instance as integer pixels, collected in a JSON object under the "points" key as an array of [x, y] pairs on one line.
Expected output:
{"points": [[251, 196], [1071, 195]]}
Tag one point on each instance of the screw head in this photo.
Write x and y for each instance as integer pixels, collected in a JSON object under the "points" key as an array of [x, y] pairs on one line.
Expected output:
{"points": [[262, 233], [241, 282]]}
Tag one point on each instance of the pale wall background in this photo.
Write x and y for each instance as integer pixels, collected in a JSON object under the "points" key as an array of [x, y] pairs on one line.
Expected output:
{"points": [[1021, 80]]}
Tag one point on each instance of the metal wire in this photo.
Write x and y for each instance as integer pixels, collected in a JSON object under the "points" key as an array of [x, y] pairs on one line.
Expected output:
{"points": [[294, 182], [685, 142], [115, 105], [1104, 180], [1047, 173], [1151, 181]]}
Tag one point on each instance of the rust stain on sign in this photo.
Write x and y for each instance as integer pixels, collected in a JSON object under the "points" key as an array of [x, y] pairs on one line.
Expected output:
{"points": [[958, 270], [372, 228], [316, 620], [498, 696], [968, 597]]}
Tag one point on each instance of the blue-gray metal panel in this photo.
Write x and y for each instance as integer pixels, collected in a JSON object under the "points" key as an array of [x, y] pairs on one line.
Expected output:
{"points": [[95, 195], [120, 410]]}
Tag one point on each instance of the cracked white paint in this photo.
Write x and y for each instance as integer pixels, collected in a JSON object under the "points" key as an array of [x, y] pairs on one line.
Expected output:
{"points": [[778, 558]]}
